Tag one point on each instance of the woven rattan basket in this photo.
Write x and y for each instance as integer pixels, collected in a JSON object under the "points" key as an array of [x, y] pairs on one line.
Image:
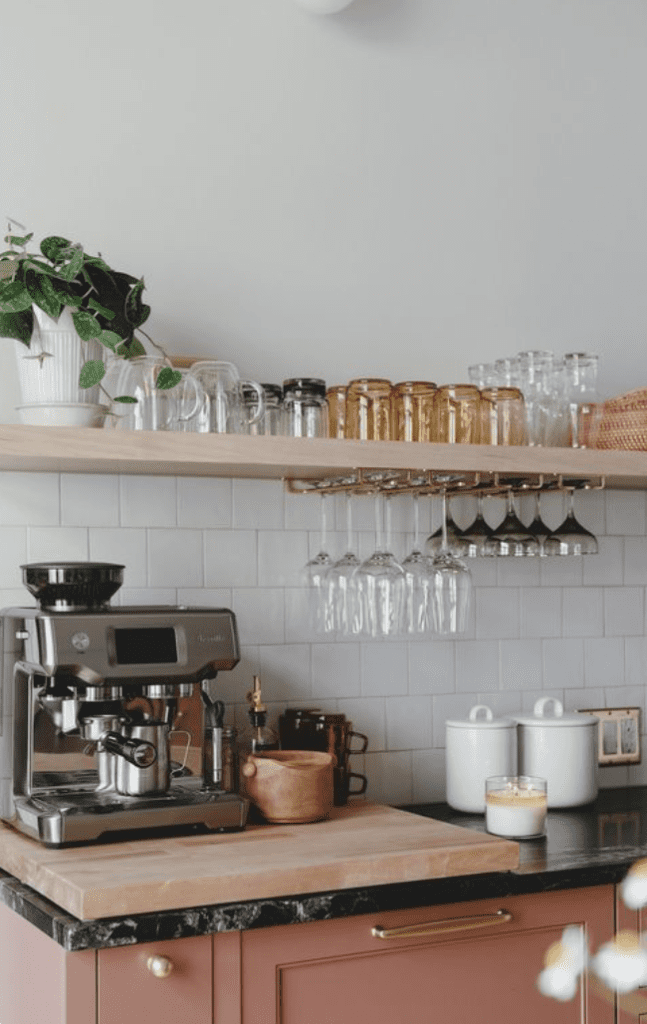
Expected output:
{"points": [[623, 422]]}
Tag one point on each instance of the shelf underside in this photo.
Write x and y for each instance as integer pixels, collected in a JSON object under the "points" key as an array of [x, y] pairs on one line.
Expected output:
{"points": [[162, 453]]}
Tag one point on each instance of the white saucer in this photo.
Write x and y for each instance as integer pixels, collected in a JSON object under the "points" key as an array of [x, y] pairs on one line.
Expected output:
{"points": [[62, 414]]}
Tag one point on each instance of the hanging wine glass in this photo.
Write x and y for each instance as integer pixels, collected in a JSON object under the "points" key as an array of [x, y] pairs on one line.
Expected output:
{"points": [[511, 538], [451, 586], [342, 608], [455, 540], [537, 527], [417, 570], [571, 538], [380, 582], [313, 576], [476, 535]]}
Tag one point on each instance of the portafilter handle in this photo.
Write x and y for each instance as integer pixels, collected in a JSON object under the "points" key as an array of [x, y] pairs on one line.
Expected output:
{"points": [[138, 752]]}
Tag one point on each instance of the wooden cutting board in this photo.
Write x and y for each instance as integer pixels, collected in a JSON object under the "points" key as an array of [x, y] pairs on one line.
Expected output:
{"points": [[361, 844]]}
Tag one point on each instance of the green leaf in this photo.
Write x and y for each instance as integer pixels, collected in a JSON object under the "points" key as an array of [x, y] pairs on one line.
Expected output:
{"points": [[91, 373], [43, 293], [109, 314], [30, 263], [14, 297], [87, 326], [167, 378], [15, 240], [55, 248], [132, 348], [71, 269], [7, 269], [109, 339], [136, 312], [17, 325], [125, 400]]}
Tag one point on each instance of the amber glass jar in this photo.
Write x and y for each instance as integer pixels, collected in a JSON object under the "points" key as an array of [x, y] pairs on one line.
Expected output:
{"points": [[336, 397], [369, 414], [457, 414], [503, 416], [413, 410]]}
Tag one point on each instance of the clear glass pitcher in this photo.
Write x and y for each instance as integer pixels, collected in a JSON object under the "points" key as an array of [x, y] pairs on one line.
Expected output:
{"points": [[154, 408], [224, 410]]}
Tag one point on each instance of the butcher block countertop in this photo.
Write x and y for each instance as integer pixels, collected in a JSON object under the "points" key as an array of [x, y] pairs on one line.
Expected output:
{"points": [[362, 844]]}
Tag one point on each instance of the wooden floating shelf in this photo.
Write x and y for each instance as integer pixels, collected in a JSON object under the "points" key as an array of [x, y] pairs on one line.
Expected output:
{"points": [[164, 453]]}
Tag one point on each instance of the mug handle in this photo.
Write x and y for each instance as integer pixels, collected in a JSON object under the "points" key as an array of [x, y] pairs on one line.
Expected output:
{"points": [[363, 787], [361, 749], [261, 402], [199, 396]]}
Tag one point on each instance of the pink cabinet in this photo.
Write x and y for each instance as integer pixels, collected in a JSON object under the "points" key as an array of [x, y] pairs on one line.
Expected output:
{"points": [[455, 963]]}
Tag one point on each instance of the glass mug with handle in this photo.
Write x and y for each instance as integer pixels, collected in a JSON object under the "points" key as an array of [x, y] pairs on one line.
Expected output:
{"points": [[224, 409], [152, 407]]}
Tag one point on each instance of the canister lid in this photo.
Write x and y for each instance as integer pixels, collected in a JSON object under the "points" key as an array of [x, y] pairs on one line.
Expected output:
{"points": [[476, 720], [558, 719]]}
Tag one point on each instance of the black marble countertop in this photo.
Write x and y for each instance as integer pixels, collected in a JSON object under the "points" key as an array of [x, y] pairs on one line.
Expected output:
{"points": [[592, 845]]}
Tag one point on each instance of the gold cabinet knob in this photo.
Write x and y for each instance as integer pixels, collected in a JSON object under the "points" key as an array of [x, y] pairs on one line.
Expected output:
{"points": [[160, 966]]}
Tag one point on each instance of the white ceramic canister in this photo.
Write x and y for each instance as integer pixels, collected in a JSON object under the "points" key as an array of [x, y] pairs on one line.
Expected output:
{"points": [[561, 748], [476, 748]]}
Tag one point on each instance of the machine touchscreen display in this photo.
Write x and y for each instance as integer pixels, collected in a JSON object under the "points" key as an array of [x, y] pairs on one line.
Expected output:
{"points": [[147, 646]]}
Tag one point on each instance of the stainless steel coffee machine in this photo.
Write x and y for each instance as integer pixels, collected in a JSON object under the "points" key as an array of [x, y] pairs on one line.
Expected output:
{"points": [[96, 692]]}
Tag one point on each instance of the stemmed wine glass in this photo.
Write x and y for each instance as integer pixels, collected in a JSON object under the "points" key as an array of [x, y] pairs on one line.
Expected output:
{"points": [[571, 538], [380, 581], [342, 609], [313, 576], [454, 539], [476, 535], [417, 569], [511, 537], [451, 586], [537, 527]]}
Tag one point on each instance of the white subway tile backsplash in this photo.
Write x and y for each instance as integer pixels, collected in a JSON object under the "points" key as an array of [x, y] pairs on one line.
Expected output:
{"points": [[390, 777], [204, 502], [517, 572], [259, 504], [146, 595], [285, 672], [281, 558], [636, 660], [148, 500], [521, 665], [175, 558], [530, 697], [446, 707], [563, 663], [89, 500], [432, 667], [260, 614], [429, 775], [31, 499], [122, 546], [606, 568], [408, 723], [541, 612], [56, 544], [623, 611], [582, 610], [604, 661], [561, 571], [13, 553], [635, 561], [590, 510], [206, 597], [335, 671], [231, 558], [497, 612], [477, 666], [625, 513], [384, 669], [368, 715]]}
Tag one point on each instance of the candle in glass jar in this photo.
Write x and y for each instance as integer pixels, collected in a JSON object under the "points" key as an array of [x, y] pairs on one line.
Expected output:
{"points": [[515, 806]]}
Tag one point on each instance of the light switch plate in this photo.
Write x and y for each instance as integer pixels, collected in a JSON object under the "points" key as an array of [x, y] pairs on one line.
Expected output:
{"points": [[618, 735]]}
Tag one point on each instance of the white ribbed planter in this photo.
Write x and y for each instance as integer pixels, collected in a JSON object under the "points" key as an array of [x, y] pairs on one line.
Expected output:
{"points": [[55, 377]]}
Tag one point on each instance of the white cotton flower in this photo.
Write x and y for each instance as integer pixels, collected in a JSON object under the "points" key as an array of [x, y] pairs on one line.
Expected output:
{"points": [[634, 887], [622, 963], [558, 982], [575, 953]]}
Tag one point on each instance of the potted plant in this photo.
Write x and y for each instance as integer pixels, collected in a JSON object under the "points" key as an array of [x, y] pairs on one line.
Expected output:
{"points": [[67, 311]]}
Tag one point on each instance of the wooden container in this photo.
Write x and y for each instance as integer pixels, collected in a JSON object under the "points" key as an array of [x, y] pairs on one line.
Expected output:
{"points": [[290, 786]]}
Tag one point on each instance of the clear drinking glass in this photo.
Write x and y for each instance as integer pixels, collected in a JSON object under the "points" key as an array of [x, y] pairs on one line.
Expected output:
{"points": [[451, 587], [336, 398], [380, 583], [270, 423], [503, 416], [541, 396], [224, 411], [582, 398]]}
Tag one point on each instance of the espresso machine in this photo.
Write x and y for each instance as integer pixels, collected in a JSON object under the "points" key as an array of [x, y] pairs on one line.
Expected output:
{"points": [[96, 692]]}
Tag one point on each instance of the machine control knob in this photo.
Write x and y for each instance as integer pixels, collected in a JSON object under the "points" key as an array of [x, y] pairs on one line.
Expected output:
{"points": [[80, 642], [160, 966]]}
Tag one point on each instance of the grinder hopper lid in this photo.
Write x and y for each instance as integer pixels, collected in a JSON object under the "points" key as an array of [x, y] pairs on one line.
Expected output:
{"points": [[72, 586]]}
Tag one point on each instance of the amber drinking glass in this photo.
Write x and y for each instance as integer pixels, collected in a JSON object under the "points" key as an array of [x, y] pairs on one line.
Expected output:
{"points": [[336, 397], [413, 410], [369, 409], [503, 416], [457, 414]]}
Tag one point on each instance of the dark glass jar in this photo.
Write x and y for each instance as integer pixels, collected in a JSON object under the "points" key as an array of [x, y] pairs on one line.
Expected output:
{"points": [[305, 409], [271, 420]]}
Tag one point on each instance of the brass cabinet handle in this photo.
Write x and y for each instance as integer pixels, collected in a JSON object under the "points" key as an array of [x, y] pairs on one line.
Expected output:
{"points": [[160, 966], [450, 924]]}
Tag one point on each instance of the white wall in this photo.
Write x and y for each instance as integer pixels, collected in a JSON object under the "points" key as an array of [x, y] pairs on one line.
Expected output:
{"points": [[400, 189]]}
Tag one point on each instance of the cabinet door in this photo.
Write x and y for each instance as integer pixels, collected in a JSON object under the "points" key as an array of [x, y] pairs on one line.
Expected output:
{"points": [[340, 971], [132, 987], [632, 1008]]}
